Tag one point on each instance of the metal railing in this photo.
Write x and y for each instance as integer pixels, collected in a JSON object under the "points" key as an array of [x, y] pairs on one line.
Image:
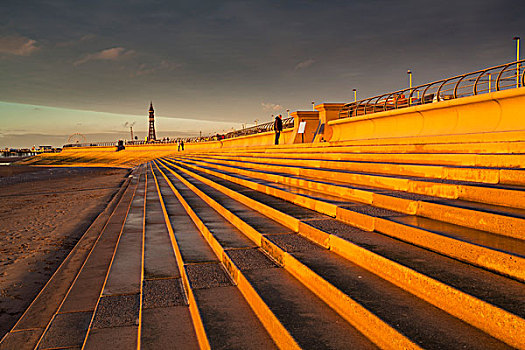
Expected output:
{"points": [[92, 144], [287, 123], [127, 143], [502, 77]]}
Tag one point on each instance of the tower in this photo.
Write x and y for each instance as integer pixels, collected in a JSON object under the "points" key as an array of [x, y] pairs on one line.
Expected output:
{"points": [[151, 134]]}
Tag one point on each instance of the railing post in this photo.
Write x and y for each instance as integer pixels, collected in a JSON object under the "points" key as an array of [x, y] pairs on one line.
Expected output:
{"points": [[327, 112]]}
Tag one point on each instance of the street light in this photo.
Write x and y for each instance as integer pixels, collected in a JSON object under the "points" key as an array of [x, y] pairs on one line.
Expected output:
{"points": [[517, 38], [409, 72], [355, 95]]}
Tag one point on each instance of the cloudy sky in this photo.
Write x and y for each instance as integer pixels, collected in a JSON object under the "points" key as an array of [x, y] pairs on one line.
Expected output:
{"points": [[92, 67]]}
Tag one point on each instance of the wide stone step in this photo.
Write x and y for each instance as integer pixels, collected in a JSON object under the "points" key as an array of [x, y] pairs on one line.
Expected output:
{"points": [[219, 313], [503, 142], [117, 314], [333, 270], [60, 315], [166, 321], [504, 220], [292, 314], [505, 195], [497, 157], [494, 252], [457, 173]]}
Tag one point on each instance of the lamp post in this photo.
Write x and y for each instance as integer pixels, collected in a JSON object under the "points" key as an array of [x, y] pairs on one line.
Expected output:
{"points": [[355, 95], [517, 38], [409, 72]]}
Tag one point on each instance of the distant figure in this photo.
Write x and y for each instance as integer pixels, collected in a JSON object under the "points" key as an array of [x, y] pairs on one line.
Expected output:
{"points": [[182, 145], [178, 146], [277, 127], [120, 145]]}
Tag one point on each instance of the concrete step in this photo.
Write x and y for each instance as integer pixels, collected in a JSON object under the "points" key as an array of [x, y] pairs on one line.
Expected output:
{"points": [[117, 313], [495, 160], [293, 315], [505, 195], [503, 142], [43, 323], [165, 317], [334, 272], [219, 313], [494, 252], [487, 175], [504, 220]]}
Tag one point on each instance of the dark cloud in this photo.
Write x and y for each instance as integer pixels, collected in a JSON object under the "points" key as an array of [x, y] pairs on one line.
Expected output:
{"points": [[222, 59]]}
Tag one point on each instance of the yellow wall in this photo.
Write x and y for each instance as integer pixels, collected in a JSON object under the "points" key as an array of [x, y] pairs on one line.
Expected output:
{"points": [[487, 113], [261, 139], [496, 113]]}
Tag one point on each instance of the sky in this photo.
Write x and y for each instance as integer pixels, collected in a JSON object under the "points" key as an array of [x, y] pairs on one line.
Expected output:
{"points": [[92, 67]]}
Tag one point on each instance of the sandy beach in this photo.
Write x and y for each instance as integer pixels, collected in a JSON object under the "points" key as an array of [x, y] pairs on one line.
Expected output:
{"points": [[43, 213]]}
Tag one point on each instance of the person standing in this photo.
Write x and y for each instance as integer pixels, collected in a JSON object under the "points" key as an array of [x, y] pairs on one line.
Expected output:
{"points": [[277, 127]]}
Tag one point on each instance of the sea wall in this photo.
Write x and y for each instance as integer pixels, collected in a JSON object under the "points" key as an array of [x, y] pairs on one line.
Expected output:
{"points": [[500, 111]]}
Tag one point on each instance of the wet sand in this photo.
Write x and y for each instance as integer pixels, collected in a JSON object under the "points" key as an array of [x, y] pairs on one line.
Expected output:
{"points": [[43, 213]]}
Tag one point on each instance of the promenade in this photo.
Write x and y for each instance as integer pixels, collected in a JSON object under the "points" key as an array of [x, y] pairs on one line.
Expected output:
{"points": [[409, 241]]}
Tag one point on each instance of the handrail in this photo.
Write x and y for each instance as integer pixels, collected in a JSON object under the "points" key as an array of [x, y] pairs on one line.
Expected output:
{"points": [[287, 123], [426, 93], [462, 85]]}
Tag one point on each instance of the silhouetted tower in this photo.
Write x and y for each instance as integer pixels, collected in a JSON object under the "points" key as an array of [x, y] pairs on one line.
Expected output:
{"points": [[151, 134]]}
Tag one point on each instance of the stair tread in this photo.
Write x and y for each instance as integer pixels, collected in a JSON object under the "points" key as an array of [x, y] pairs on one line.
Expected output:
{"points": [[41, 316], [224, 313], [126, 268], [120, 338], [507, 245], [344, 274], [277, 284], [159, 331], [226, 309], [495, 289], [323, 157], [311, 322], [424, 324], [493, 241], [159, 259], [246, 166]]}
